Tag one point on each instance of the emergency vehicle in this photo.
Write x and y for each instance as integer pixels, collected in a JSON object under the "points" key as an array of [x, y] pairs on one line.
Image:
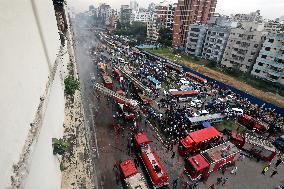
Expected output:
{"points": [[259, 148], [194, 77], [131, 177], [183, 94], [107, 82], [211, 118], [199, 140], [251, 123], [202, 165], [117, 74], [154, 168]]}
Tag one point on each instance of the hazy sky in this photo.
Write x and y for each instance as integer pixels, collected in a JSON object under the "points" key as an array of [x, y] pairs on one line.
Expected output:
{"points": [[269, 8]]}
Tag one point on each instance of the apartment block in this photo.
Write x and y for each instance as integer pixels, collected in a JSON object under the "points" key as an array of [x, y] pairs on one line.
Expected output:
{"points": [[251, 17], [165, 15], [195, 39], [141, 16], [243, 46], [190, 12], [125, 14], [215, 43], [270, 62]]}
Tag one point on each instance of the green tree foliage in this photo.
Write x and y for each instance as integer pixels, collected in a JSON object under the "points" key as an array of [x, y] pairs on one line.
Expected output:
{"points": [[165, 37], [137, 31], [60, 146], [71, 85]]}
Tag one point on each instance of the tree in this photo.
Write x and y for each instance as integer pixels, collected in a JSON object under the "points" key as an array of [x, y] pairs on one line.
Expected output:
{"points": [[60, 146], [71, 85], [165, 37]]}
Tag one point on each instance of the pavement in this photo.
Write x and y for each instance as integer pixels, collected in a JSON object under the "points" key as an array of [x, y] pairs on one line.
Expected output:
{"points": [[109, 146]]}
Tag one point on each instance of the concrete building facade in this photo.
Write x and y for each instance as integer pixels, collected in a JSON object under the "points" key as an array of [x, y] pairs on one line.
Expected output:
{"points": [[243, 47], [270, 62], [33, 66], [195, 39], [215, 43], [125, 14], [189, 12]]}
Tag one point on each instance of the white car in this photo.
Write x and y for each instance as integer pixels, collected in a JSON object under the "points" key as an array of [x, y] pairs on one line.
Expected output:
{"points": [[238, 111], [203, 112]]}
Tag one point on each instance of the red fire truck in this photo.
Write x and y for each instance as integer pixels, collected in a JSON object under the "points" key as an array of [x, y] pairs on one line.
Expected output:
{"points": [[211, 160], [259, 148], [198, 140], [131, 177], [252, 123], [155, 170], [195, 77], [117, 74], [107, 82]]}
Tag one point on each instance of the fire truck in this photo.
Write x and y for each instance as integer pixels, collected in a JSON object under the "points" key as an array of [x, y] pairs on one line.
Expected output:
{"points": [[199, 140], [202, 165], [152, 164], [259, 148], [131, 177], [252, 123], [194, 77]]}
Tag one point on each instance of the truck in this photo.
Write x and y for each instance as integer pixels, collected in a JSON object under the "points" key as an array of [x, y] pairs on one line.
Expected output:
{"points": [[279, 143], [107, 82], [198, 140], [132, 178], [252, 123], [157, 174], [209, 161], [257, 147]]}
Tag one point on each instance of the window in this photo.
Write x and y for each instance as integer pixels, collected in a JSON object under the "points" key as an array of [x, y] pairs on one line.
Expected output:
{"points": [[253, 53], [267, 48], [249, 60], [263, 56], [256, 71], [271, 40], [260, 64], [221, 34], [238, 42], [256, 45], [241, 35]]}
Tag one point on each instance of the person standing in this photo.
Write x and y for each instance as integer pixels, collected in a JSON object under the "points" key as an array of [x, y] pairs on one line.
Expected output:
{"points": [[173, 155], [265, 169], [274, 173], [175, 183], [278, 162]]}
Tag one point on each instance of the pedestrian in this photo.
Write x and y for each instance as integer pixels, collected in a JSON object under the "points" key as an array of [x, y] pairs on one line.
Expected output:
{"points": [[175, 183], [173, 155], [274, 173], [234, 170], [265, 169], [117, 177], [224, 181], [219, 180], [136, 162], [278, 163]]}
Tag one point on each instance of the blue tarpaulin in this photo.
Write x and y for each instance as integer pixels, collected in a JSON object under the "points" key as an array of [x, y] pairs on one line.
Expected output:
{"points": [[206, 124]]}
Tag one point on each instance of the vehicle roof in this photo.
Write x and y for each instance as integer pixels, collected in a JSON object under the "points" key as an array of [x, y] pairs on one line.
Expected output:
{"points": [[204, 134], [154, 80], [137, 181], [141, 138], [187, 141], [198, 162], [128, 168], [107, 79], [196, 76], [220, 152], [179, 93], [205, 118], [151, 160]]}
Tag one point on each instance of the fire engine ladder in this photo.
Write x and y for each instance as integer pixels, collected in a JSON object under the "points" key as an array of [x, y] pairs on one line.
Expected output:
{"points": [[258, 141], [113, 94], [135, 81]]}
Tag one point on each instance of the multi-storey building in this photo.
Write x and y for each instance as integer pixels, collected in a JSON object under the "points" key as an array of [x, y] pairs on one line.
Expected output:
{"points": [[165, 15], [141, 16], [104, 13], [152, 30], [270, 62], [125, 14], [251, 17], [134, 5], [243, 46], [215, 43], [272, 26], [189, 12], [195, 39]]}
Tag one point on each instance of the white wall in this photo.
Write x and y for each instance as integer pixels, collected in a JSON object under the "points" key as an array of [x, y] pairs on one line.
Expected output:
{"points": [[23, 77]]}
